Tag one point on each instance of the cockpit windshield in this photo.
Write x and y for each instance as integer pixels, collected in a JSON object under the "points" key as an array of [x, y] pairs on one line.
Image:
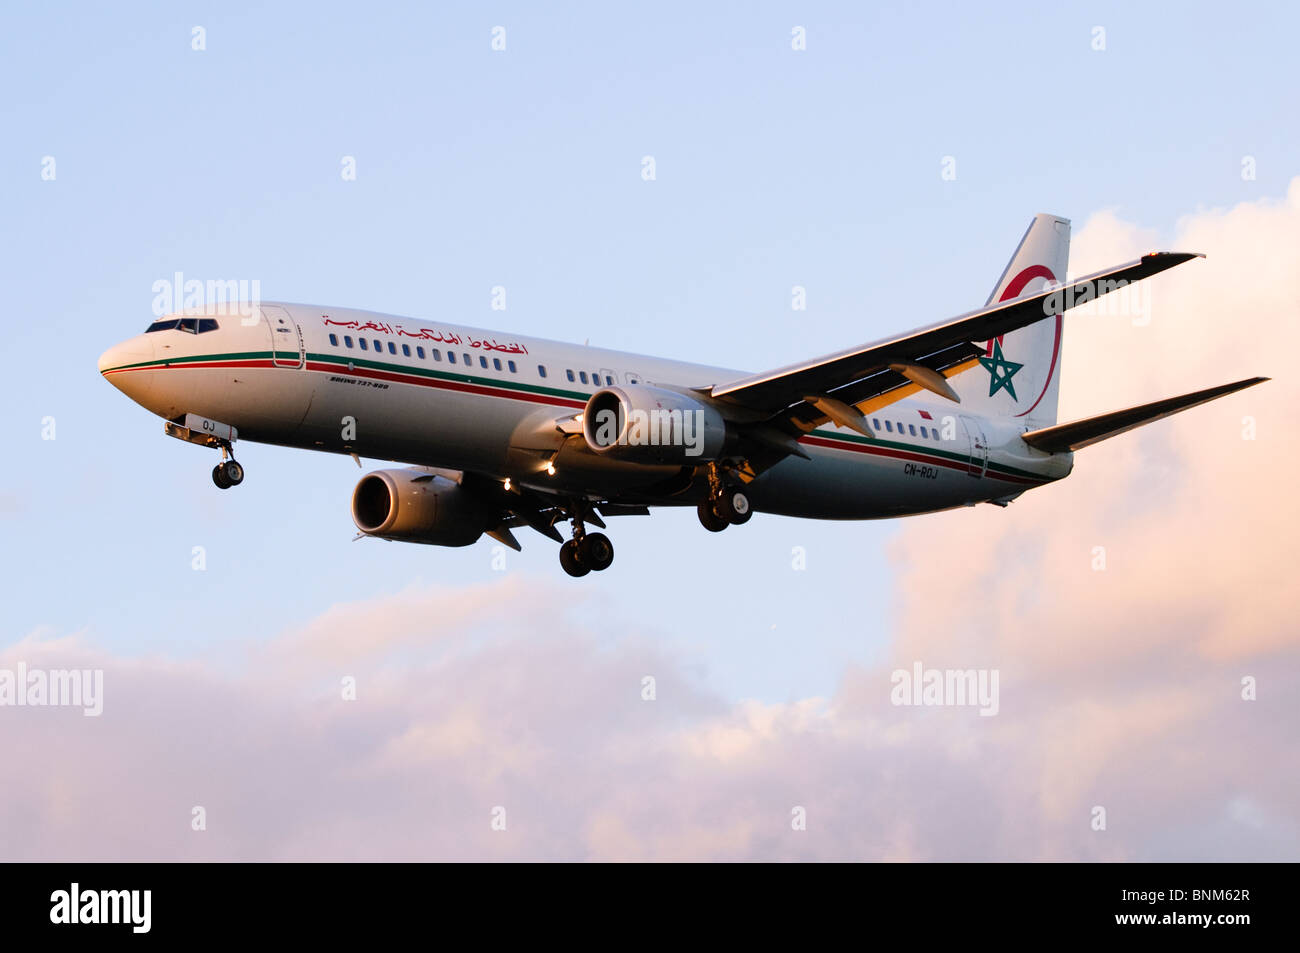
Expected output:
{"points": [[193, 325]]}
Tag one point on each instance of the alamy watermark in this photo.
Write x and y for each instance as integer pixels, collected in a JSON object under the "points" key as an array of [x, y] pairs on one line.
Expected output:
{"points": [[1108, 297], [946, 687], [53, 688], [658, 427], [231, 296]]}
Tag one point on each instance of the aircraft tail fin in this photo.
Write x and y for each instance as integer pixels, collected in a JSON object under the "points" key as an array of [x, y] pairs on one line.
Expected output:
{"points": [[1084, 433], [1019, 373]]}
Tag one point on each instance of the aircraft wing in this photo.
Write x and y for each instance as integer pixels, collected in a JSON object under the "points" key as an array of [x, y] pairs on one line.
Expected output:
{"points": [[921, 357], [1084, 433]]}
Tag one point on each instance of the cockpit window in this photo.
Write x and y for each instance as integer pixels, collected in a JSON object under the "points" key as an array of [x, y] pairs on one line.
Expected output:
{"points": [[192, 325]]}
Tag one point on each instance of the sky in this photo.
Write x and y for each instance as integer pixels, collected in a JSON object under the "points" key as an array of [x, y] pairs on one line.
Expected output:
{"points": [[481, 686]]}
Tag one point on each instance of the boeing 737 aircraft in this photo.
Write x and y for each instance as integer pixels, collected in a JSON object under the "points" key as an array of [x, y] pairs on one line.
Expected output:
{"points": [[500, 431]]}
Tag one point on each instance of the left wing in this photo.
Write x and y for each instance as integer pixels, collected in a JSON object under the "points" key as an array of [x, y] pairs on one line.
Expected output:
{"points": [[1084, 433]]}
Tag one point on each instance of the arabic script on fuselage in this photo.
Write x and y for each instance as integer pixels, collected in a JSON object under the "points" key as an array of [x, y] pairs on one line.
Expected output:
{"points": [[428, 334]]}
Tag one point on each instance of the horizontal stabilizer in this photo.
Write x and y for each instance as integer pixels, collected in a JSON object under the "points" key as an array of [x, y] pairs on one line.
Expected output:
{"points": [[1084, 433]]}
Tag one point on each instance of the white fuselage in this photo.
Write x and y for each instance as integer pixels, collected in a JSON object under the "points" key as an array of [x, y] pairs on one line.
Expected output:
{"points": [[449, 396]]}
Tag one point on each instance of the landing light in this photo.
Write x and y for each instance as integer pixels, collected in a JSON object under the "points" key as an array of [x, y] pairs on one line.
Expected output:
{"points": [[550, 469]]}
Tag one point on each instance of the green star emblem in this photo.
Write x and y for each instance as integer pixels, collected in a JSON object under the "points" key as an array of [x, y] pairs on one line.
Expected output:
{"points": [[1000, 371]]}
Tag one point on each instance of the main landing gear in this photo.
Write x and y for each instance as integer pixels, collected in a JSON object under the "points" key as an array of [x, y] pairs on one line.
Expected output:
{"points": [[586, 551], [727, 505], [228, 472]]}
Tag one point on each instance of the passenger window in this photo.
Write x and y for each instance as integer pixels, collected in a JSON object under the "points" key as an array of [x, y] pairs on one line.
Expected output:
{"points": [[541, 370], [334, 340], [889, 426], [419, 352], [911, 428], [379, 346], [451, 357], [569, 371], [392, 348], [875, 423], [582, 375], [364, 345], [469, 361], [496, 363], [923, 433], [437, 355], [511, 365], [406, 350], [482, 362], [609, 379], [347, 340]]}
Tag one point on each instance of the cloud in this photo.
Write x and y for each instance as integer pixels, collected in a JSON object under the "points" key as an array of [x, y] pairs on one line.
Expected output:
{"points": [[1134, 671], [1120, 688]]}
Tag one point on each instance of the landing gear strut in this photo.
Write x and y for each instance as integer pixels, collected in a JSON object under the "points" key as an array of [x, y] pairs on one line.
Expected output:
{"points": [[228, 472], [586, 552]]}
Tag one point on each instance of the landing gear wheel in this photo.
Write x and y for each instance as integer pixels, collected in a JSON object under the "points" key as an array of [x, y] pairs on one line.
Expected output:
{"points": [[709, 519], [733, 506], [596, 551], [219, 476], [234, 472], [571, 559]]}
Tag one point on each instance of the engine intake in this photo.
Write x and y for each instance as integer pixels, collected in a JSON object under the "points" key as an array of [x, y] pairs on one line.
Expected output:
{"points": [[644, 424], [415, 506]]}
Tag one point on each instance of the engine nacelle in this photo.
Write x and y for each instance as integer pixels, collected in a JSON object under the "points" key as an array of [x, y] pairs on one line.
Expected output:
{"points": [[416, 506], [644, 424]]}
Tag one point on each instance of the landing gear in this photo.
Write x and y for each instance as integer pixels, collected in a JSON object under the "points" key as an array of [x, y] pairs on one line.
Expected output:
{"points": [[597, 551], [586, 552], [733, 506], [727, 505], [227, 473], [709, 519], [571, 559]]}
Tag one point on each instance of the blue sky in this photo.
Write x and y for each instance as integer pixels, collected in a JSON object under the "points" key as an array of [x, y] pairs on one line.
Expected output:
{"points": [[522, 168]]}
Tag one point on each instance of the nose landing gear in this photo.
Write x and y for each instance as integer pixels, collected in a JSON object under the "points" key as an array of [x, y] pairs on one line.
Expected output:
{"points": [[227, 473], [210, 433]]}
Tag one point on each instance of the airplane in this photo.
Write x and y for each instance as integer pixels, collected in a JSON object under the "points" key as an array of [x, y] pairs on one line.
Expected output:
{"points": [[499, 431]]}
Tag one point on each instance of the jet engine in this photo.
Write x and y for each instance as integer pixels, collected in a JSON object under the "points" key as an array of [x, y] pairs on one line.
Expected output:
{"points": [[639, 423], [416, 506]]}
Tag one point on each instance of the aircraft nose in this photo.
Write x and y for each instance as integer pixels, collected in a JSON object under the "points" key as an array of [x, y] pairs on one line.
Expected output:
{"points": [[127, 366], [120, 357]]}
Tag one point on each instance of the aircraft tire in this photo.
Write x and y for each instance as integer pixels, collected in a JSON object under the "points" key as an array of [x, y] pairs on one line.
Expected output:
{"points": [[709, 519], [597, 551], [571, 559]]}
